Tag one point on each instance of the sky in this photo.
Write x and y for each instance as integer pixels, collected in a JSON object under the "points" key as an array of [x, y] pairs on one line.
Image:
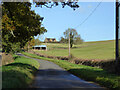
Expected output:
{"points": [[98, 26]]}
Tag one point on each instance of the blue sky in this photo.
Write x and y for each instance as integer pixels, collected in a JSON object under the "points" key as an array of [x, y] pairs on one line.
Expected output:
{"points": [[99, 26]]}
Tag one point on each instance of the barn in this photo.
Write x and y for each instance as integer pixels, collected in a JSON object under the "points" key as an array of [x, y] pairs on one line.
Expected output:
{"points": [[40, 47], [50, 40]]}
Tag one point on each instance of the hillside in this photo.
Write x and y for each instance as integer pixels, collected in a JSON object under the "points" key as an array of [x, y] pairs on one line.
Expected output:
{"points": [[88, 50]]}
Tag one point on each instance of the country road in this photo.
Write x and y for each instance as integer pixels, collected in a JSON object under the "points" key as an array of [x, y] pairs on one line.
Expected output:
{"points": [[51, 75]]}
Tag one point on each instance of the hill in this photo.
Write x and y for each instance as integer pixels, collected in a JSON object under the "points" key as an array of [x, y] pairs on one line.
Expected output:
{"points": [[104, 50]]}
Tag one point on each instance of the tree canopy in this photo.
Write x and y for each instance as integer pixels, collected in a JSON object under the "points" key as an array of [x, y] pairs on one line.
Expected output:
{"points": [[70, 3], [74, 37], [19, 24]]}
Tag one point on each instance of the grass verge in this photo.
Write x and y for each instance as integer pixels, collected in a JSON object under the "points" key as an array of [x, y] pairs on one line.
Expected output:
{"points": [[20, 73], [88, 73]]}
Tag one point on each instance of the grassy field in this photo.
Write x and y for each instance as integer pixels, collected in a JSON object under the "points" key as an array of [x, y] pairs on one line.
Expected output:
{"points": [[88, 73], [20, 73], [103, 50]]}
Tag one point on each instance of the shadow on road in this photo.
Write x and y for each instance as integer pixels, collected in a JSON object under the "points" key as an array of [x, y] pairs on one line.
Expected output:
{"points": [[54, 78]]}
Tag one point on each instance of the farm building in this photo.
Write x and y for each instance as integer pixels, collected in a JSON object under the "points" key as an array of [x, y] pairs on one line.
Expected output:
{"points": [[48, 40], [40, 47]]}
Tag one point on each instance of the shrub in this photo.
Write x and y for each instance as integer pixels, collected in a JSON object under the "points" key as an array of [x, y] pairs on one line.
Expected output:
{"points": [[70, 57]]}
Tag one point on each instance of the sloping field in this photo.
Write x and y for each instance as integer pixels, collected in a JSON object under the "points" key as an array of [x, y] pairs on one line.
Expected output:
{"points": [[104, 50]]}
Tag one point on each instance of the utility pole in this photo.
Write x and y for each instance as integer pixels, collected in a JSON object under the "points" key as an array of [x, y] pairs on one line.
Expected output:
{"points": [[69, 42], [117, 37]]}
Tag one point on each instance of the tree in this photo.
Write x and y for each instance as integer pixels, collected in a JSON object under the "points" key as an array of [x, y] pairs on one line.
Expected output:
{"points": [[74, 37], [70, 3], [78, 40], [37, 42], [19, 24], [29, 44], [63, 40], [32, 42]]}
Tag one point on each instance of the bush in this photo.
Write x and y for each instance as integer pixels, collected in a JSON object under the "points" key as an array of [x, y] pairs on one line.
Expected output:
{"points": [[107, 65], [70, 57]]}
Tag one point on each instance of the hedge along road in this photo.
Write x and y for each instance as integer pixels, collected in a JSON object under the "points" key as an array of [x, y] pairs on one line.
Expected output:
{"points": [[51, 75]]}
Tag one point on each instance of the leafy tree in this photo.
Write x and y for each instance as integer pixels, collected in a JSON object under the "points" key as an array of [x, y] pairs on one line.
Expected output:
{"points": [[72, 4], [19, 24], [29, 44], [37, 42], [16, 47], [32, 42], [63, 40], [74, 37], [78, 40]]}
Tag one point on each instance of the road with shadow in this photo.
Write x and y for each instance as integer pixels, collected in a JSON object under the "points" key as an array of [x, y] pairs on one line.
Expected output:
{"points": [[51, 75]]}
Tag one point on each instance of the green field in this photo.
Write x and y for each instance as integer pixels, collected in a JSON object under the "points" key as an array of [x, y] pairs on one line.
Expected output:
{"points": [[103, 50]]}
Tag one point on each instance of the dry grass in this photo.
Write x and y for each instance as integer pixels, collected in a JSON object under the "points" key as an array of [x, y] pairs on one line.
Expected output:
{"points": [[7, 58]]}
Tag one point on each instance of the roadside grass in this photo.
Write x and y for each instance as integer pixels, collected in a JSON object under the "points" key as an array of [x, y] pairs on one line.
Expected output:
{"points": [[88, 73], [101, 50], [20, 73]]}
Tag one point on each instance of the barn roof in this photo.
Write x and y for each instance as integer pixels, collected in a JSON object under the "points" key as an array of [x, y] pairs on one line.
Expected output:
{"points": [[40, 46], [50, 38]]}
